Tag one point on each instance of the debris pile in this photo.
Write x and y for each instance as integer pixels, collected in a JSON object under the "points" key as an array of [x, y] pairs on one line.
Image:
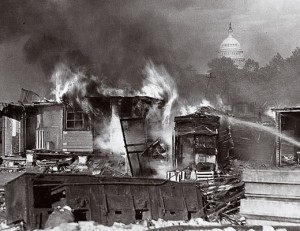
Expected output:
{"points": [[12, 163], [222, 197]]}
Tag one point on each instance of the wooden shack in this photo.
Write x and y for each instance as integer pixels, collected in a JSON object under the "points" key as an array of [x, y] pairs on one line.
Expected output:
{"points": [[201, 139], [62, 127]]}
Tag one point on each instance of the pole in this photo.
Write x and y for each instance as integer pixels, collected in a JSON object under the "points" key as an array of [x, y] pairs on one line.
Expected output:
{"points": [[210, 76]]}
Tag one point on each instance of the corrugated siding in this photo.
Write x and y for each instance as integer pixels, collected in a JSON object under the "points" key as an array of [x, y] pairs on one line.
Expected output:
{"points": [[77, 141]]}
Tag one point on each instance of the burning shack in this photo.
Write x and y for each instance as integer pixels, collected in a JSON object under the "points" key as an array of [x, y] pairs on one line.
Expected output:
{"points": [[93, 127], [202, 142]]}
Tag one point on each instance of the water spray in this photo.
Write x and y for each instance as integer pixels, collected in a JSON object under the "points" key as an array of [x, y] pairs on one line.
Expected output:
{"points": [[264, 128]]}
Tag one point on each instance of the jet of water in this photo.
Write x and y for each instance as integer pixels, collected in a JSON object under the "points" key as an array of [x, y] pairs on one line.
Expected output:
{"points": [[264, 128]]}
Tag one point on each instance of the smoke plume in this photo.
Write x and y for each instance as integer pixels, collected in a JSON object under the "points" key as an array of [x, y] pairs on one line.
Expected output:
{"points": [[109, 39]]}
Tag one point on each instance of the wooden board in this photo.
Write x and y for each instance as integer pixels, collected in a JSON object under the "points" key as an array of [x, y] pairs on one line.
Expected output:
{"points": [[272, 190], [272, 176], [272, 208], [77, 141]]}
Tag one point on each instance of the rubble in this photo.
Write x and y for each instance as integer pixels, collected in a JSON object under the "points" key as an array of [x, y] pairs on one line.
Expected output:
{"points": [[222, 198]]}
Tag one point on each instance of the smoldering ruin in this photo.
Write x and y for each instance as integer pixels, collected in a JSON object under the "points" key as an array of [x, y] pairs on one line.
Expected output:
{"points": [[123, 131]]}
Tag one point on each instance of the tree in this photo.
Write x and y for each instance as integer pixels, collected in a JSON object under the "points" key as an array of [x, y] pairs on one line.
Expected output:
{"points": [[294, 59], [277, 63], [222, 67], [226, 77], [251, 65]]}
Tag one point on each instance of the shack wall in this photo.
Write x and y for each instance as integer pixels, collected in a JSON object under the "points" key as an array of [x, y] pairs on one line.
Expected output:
{"points": [[44, 125], [11, 136], [45, 130], [104, 200], [17, 201], [77, 141]]}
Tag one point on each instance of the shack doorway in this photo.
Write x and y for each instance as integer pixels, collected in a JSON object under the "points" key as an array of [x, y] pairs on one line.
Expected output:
{"points": [[290, 127]]}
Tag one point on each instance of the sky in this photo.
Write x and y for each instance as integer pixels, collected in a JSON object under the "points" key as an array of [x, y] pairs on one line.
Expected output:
{"points": [[112, 39]]}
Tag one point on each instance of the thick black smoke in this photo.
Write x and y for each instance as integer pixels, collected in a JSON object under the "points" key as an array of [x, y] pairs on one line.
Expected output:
{"points": [[109, 39]]}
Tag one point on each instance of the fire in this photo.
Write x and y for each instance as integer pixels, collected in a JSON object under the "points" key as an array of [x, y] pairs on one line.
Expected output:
{"points": [[205, 103], [111, 138], [67, 82], [159, 84], [186, 109]]}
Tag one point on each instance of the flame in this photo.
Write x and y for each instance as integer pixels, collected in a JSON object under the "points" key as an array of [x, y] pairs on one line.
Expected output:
{"points": [[205, 103], [186, 109], [159, 84], [111, 137], [67, 81]]}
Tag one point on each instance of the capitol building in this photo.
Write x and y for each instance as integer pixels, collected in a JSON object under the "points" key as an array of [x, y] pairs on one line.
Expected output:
{"points": [[231, 48]]}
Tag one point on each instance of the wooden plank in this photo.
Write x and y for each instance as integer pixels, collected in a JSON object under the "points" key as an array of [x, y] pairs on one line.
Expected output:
{"points": [[77, 137], [271, 190], [89, 143], [82, 142], [77, 150], [274, 208], [77, 133], [268, 222], [272, 176], [78, 147], [78, 140], [273, 219]]}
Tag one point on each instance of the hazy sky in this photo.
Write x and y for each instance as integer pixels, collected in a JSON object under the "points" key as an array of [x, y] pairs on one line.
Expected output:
{"points": [[34, 35]]}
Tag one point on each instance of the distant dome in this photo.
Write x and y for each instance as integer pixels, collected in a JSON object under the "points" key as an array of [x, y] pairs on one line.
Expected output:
{"points": [[231, 48]]}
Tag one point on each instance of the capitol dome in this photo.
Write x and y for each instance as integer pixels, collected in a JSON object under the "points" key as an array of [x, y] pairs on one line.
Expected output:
{"points": [[231, 48]]}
